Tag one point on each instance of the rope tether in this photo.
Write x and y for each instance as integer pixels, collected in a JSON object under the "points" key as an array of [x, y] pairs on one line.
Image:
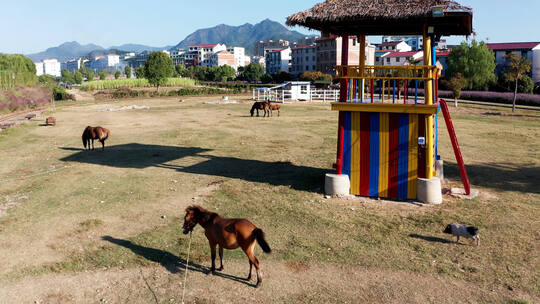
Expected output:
{"points": [[185, 273]]}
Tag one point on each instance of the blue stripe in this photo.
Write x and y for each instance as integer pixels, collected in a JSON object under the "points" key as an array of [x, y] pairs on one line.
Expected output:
{"points": [[346, 169], [394, 92], [403, 152], [374, 154]]}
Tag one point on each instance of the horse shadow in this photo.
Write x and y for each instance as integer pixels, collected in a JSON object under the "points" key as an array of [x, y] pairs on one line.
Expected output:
{"points": [[433, 239], [169, 261], [140, 156]]}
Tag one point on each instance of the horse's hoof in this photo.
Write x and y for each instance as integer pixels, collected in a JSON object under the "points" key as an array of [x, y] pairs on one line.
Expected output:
{"points": [[258, 285], [220, 268]]}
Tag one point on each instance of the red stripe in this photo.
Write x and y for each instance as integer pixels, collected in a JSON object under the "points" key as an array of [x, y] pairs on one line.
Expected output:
{"points": [[421, 151], [341, 133], [393, 155], [364, 154]]}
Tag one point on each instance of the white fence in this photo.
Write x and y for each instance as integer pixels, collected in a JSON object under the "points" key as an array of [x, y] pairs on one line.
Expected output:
{"points": [[285, 95]]}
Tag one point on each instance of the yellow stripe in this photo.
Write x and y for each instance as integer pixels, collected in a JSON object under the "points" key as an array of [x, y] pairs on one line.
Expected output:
{"points": [[383, 154], [355, 153], [382, 95], [412, 175]]}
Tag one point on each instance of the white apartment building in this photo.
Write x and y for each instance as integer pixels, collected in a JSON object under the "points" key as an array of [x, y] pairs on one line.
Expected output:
{"points": [[304, 59], [201, 52], [48, 66], [394, 46], [400, 58], [73, 65], [279, 60], [39, 68], [239, 56], [416, 42], [105, 62], [529, 50], [177, 56]]}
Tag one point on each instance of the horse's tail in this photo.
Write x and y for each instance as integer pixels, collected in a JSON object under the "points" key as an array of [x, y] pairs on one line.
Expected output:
{"points": [[85, 136], [252, 109], [259, 235]]}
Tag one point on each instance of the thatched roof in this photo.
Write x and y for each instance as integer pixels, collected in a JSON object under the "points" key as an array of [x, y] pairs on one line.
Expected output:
{"points": [[379, 17]]}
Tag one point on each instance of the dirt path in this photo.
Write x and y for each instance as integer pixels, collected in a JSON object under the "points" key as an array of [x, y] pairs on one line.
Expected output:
{"points": [[80, 95], [283, 282]]}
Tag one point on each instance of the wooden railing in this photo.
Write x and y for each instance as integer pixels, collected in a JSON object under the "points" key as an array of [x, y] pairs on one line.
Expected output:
{"points": [[384, 84], [399, 72]]}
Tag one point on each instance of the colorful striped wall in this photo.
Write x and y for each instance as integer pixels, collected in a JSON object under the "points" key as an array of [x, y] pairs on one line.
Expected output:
{"points": [[381, 154]]}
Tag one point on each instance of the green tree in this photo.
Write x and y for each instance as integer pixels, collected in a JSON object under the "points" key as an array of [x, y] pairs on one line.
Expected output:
{"points": [[67, 76], [16, 70], [127, 71], [267, 78], [139, 72], [89, 75], [47, 81], [102, 75], [517, 67], [282, 76], [182, 71], [225, 73], [252, 73], [455, 84], [117, 74], [77, 77], [475, 62], [158, 68]]}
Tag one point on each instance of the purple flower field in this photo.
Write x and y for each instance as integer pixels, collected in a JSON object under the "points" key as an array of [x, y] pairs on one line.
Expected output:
{"points": [[24, 97]]}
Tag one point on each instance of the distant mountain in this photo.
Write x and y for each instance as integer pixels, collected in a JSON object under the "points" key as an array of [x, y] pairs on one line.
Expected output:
{"points": [[138, 48], [65, 51], [244, 35], [73, 50]]}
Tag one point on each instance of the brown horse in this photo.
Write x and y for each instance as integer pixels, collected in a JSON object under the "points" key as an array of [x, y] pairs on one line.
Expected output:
{"points": [[259, 105], [273, 107], [228, 234], [92, 133]]}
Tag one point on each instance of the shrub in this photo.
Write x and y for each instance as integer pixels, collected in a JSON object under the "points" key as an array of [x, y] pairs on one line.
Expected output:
{"points": [[59, 93]]}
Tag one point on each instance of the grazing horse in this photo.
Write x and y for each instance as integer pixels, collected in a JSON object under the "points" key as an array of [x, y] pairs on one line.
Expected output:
{"points": [[228, 234], [259, 105], [272, 107], [91, 133]]}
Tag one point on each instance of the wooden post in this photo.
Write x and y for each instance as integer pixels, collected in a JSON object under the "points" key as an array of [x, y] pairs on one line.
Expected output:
{"points": [[428, 95], [342, 98], [362, 62]]}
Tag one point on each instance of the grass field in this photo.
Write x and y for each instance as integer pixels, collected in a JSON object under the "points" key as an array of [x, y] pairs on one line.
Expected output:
{"points": [[79, 226], [133, 83]]}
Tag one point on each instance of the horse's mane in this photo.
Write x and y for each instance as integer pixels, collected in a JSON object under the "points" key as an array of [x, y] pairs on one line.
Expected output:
{"points": [[205, 215]]}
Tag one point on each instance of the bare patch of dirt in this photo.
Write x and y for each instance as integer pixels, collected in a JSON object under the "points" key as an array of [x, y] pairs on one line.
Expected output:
{"points": [[9, 202], [297, 266], [79, 95], [320, 283]]}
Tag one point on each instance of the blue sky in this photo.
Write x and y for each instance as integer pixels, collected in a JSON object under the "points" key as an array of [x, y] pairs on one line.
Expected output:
{"points": [[34, 25]]}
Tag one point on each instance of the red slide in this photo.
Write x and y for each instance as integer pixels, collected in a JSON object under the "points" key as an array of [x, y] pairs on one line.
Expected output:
{"points": [[455, 145]]}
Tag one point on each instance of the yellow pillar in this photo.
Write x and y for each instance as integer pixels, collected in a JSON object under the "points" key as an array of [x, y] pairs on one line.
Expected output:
{"points": [[362, 62], [428, 90]]}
